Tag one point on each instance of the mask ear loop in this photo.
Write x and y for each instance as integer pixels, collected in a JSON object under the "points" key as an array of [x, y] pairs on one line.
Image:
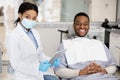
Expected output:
{"points": [[37, 20]]}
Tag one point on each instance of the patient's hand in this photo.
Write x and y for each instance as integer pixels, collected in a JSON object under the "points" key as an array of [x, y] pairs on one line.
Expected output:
{"points": [[95, 68], [91, 69], [85, 71]]}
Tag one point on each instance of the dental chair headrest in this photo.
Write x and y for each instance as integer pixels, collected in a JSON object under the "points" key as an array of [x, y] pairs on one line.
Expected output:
{"points": [[71, 32]]}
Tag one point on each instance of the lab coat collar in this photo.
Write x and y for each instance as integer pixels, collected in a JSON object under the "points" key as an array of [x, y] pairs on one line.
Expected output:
{"points": [[36, 37], [25, 37]]}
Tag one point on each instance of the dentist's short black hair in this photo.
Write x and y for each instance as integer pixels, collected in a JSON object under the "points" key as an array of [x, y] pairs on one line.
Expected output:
{"points": [[25, 6], [81, 14]]}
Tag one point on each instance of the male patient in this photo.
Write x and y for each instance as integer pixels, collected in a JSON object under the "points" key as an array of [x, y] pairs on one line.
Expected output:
{"points": [[85, 59]]}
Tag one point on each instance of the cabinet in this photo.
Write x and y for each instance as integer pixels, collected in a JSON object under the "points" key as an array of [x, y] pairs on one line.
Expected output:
{"points": [[115, 46], [101, 9], [96, 31]]}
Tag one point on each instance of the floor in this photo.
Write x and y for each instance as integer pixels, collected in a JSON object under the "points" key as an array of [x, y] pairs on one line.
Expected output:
{"points": [[5, 75]]}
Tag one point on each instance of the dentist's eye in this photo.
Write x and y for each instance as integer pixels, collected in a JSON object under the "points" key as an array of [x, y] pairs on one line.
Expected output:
{"points": [[27, 17]]}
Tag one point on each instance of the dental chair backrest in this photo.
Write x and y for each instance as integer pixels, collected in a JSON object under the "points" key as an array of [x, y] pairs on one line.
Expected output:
{"points": [[71, 32]]}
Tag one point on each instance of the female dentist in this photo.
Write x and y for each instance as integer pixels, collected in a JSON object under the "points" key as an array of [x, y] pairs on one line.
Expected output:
{"points": [[24, 47]]}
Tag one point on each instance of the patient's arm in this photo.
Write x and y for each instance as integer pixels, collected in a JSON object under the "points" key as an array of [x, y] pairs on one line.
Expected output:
{"points": [[70, 73], [95, 68], [111, 69], [67, 73], [91, 69]]}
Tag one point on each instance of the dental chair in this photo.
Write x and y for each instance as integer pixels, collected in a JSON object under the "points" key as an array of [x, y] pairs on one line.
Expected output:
{"points": [[118, 72], [71, 34]]}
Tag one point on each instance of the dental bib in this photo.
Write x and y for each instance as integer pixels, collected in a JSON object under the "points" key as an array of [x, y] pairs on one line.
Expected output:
{"points": [[83, 49]]}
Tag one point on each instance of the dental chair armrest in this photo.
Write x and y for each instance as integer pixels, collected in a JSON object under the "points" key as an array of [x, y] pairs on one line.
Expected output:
{"points": [[118, 68], [62, 31]]}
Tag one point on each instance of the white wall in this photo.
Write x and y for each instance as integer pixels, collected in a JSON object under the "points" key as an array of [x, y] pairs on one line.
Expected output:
{"points": [[16, 3], [50, 37], [101, 9], [71, 7], [118, 14]]}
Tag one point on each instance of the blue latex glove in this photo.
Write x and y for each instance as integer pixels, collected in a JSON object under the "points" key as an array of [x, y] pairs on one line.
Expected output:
{"points": [[44, 66], [56, 62]]}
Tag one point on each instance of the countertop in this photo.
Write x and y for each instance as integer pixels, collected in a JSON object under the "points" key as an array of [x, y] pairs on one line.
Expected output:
{"points": [[113, 30]]}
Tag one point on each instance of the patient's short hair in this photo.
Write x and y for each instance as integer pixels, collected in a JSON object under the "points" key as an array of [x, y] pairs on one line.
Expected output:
{"points": [[81, 14]]}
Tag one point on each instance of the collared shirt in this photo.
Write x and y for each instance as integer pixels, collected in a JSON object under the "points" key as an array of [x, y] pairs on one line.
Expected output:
{"points": [[31, 36]]}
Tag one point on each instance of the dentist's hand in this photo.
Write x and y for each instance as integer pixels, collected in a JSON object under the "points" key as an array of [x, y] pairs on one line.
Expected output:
{"points": [[56, 62], [44, 66]]}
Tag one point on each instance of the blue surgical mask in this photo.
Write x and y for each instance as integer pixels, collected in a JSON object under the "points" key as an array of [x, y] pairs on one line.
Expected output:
{"points": [[28, 23]]}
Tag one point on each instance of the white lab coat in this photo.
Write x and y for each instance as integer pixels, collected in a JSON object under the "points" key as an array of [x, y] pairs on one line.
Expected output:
{"points": [[23, 55]]}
